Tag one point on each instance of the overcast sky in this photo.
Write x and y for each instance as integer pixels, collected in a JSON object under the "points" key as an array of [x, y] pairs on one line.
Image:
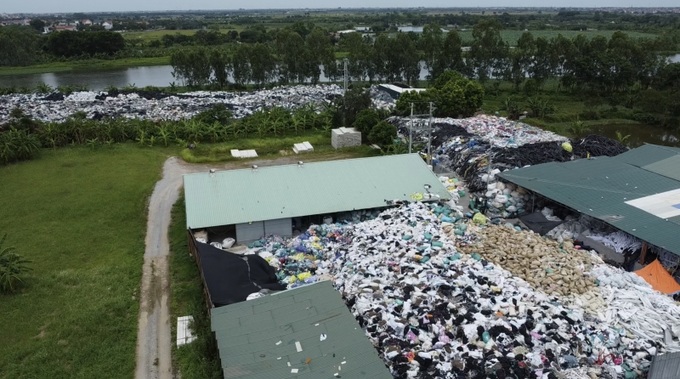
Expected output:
{"points": [[51, 6]]}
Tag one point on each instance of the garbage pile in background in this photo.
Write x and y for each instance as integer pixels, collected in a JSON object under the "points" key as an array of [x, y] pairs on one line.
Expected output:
{"points": [[57, 107], [478, 148]]}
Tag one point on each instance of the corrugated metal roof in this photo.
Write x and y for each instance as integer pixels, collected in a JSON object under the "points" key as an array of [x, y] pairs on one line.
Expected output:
{"points": [[647, 154], [600, 187], [282, 336], [665, 366], [266, 193]]}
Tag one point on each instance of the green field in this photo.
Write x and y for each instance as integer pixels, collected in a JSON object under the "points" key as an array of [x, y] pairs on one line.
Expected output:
{"points": [[511, 36], [85, 65], [150, 35], [272, 148], [80, 216]]}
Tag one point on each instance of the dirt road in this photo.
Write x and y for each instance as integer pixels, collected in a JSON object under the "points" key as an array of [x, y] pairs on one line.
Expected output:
{"points": [[154, 338]]}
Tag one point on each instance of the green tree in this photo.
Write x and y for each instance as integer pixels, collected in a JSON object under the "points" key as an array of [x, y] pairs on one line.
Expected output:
{"points": [[451, 54], [193, 67], [13, 267], [348, 106], [522, 59], [219, 64], [456, 95], [383, 134], [365, 120], [19, 46], [241, 65], [319, 51], [37, 24], [290, 47], [262, 64], [488, 52], [432, 45]]}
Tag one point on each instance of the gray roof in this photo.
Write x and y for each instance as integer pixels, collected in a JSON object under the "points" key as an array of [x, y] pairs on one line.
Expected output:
{"points": [[276, 192], [282, 336], [665, 366], [601, 187]]}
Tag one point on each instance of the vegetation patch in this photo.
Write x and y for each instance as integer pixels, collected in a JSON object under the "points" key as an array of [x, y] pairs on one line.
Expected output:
{"points": [[199, 359], [79, 216]]}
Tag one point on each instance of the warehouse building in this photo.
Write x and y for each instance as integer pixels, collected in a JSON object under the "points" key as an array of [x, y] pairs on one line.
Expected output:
{"points": [[249, 204], [637, 192]]}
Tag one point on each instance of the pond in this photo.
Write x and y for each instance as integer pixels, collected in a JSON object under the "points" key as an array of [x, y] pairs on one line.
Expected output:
{"points": [[156, 76], [639, 134]]}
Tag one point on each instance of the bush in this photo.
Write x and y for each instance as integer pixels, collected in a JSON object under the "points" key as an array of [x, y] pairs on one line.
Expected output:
{"points": [[382, 134], [12, 268], [365, 121]]}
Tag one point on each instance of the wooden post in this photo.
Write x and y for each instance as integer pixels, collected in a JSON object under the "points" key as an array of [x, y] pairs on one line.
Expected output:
{"points": [[644, 253]]}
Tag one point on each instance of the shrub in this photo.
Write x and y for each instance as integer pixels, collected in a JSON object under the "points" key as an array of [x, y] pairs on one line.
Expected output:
{"points": [[12, 268], [382, 134]]}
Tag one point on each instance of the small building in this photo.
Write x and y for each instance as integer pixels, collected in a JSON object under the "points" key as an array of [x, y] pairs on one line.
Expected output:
{"points": [[248, 204], [107, 25], [395, 91], [637, 192]]}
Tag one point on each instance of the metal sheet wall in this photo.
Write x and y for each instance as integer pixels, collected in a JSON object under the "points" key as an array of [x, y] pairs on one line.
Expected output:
{"points": [[282, 227], [249, 232]]}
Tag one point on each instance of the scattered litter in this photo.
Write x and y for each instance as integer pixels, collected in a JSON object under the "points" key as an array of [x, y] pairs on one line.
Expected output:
{"points": [[298, 346], [322, 337], [184, 333], [294, 371]]}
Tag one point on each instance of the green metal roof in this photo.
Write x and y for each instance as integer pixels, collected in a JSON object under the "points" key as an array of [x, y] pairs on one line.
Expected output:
{"points": [[282, 336], [600, 188], [275, 192]]}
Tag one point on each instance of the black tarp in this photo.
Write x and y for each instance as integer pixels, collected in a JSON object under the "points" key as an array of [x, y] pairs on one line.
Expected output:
{"points": [[538, 223], [230, 277]]}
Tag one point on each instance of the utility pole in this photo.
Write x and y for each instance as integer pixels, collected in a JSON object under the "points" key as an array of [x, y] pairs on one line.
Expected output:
{"points": [[429, 136], [410, 131], [344, 94]]}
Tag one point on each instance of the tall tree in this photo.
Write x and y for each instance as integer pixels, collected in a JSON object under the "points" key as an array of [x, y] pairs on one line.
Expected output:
{"points": [[319, 51], [241, 65], [262, 64], [451, 55], [290, 47], [488, 52], [19, 46], [432, 45]]}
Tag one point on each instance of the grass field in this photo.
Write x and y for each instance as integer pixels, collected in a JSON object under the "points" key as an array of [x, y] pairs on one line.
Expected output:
{"points": [[85, 65], [150, 35], [199, 359], [80, 216], [274, 148]]}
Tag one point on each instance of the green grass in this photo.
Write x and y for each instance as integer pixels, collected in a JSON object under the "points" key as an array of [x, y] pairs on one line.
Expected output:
{"points": [[150, 35], [80, 216], [199, 359], [269, 148], [85, 65]]}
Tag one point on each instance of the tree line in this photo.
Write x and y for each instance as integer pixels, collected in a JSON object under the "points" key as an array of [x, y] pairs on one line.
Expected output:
{"points": [[598, 63]]}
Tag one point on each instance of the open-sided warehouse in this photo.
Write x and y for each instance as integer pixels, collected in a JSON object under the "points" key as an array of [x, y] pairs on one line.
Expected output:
{"points": [[637, 192], [248, 204]]}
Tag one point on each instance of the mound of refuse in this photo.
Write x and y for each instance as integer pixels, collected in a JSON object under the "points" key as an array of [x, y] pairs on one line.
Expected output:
{"points": [[441, 295]]}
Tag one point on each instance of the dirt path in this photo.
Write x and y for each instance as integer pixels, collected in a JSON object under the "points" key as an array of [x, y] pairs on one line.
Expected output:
{"points": [[154, 337]]}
